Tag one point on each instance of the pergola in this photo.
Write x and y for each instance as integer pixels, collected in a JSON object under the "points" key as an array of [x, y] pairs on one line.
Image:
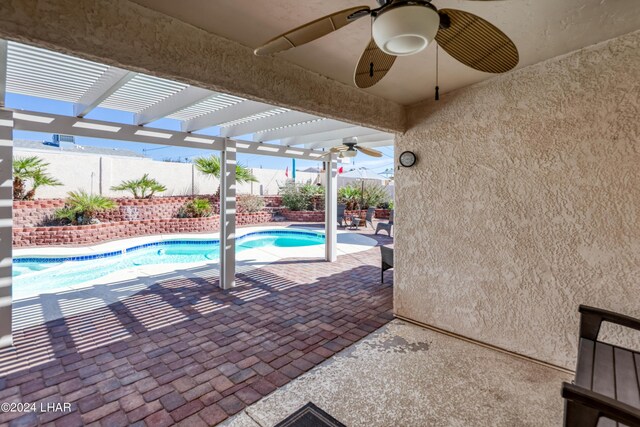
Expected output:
{"points": [[245, 126]]}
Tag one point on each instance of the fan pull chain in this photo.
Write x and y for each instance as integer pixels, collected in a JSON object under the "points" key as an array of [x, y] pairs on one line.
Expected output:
{"points": [[437, 87], [371, 73]]}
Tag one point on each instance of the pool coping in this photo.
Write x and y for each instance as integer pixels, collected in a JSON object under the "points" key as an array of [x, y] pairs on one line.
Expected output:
{"points": [[131, 242], [105, 250], [146, 275]]}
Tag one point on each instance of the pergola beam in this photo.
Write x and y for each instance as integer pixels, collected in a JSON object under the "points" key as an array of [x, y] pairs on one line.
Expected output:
{"points": [[228, 114], [187, 97], [283, 119], [112, 80], [326, 136], [320, 125], [67, 125]]}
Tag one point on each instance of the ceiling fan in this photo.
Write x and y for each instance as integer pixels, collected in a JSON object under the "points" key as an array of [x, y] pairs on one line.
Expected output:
{"points": [[406, 27], [350, 148]]}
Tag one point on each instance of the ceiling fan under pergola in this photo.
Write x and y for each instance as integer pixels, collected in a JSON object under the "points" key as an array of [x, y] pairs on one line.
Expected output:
{"points": [[350, 147], [406, 27]]}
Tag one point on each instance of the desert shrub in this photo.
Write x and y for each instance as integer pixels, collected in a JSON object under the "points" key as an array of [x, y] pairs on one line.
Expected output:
{"points": [[141, 188], [302, 197], [250, 203], [351, 196], [374, 195], [196, 208], [81, 207]]}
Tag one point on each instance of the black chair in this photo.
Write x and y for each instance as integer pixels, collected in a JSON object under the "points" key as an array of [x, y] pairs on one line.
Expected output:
{"points": [[369, 217], [386, 225], [606, 390], [386, 254], [341, 218]]}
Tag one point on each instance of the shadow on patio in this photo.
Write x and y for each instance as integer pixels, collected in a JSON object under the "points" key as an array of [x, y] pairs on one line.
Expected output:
{"points": [[182, 347]]}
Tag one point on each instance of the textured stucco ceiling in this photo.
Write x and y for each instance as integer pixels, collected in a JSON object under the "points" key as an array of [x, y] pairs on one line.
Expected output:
{"points": [[541, 29]]}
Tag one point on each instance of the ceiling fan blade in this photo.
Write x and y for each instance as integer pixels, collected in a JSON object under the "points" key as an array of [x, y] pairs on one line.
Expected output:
{"points": [[373, 65], [369, 151], [477, 43], [339, 148], [312, 30]]}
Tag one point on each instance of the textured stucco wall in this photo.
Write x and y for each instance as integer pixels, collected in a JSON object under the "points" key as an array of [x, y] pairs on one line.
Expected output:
{"points": [[121, 33], [525, 203]]}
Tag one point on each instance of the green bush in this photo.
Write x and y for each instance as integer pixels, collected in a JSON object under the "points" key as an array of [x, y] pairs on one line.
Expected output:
{"points": [[81, 207], [196, 208], [351, 196], [250, 203], [374, 195], [141, 188], [302, 197]]}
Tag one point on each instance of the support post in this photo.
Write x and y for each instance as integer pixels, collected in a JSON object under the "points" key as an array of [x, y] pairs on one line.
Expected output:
{"points": [[331, 208], [228, 215], [6, 225]]}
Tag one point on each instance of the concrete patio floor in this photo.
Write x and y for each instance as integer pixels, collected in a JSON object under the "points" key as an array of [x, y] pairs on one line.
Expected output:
{"points": [[405, 375], [184, 351]]}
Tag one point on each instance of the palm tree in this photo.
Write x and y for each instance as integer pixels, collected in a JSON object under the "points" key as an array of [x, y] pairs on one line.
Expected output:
{"points": [[31, 169], [141, 188], [211, 166], [81, 207]]}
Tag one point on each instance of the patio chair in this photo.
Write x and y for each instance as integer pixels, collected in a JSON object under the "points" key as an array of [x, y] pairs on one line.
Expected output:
{"points": [[387, 260], [386, 225], [605, 389], [341, 218], [369, 217]]}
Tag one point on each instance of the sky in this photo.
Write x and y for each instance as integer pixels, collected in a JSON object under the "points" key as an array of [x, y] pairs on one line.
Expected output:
{"points": [[158, 152]]}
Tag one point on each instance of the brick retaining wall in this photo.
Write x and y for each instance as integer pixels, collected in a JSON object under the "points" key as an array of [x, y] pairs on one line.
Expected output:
{"points": [[318, 216], [98, 233], [303, 216], [36, 213]]}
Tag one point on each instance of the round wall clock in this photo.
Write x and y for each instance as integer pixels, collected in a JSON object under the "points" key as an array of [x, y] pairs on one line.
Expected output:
{"points": [[407, 159]]}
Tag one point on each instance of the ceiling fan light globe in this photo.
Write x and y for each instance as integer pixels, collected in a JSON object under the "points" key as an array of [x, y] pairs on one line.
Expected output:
{"points": [[405, 30], [349, 153]]}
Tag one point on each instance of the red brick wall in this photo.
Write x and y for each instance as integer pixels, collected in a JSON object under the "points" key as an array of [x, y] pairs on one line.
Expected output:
{"points": [[272, 201], [253, 218], [382, 213], [318, 216], [303, 216], [88, 234], [34, 213]]}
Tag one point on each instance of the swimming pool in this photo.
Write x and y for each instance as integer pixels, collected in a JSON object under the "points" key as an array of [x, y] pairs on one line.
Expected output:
{"points": [[45, 274]]}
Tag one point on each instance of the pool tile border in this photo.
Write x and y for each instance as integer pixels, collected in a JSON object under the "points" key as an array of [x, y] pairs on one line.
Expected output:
{"points": [[45, 259]]}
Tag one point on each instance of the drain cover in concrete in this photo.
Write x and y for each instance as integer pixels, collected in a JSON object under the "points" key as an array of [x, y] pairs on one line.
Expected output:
{"points": [[310, 416]]}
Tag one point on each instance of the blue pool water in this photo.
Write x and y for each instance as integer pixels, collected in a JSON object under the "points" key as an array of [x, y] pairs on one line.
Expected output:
{"points": [[45, 274]]}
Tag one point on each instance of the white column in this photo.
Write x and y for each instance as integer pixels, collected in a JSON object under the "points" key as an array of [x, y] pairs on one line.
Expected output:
{"points": [[228, 215], [6, 224], [331, 208]]}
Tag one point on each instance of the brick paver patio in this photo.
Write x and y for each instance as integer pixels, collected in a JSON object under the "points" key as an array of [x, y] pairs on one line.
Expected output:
{"points": [[184, 351]]}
